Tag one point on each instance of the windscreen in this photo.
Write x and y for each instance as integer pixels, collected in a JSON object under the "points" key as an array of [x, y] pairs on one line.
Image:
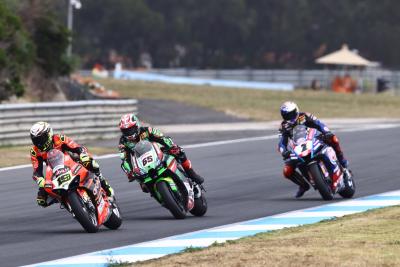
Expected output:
{"points": [[55, 158], [299, 134], [142, 147]]}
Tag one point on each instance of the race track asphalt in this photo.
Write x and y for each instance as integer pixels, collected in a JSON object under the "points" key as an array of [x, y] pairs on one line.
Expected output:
{"points": [[243, 182]]}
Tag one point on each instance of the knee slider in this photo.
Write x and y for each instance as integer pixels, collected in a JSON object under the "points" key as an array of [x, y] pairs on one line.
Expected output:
{"points": [[288, 171], [187, 164], [335, 140]]}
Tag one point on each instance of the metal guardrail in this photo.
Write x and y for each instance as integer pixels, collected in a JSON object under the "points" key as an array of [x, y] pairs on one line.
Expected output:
{"points": [[82, 120]]}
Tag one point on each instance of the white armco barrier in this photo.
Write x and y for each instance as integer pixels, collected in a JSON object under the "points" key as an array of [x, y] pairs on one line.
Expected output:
{"points": [[82, 120]]}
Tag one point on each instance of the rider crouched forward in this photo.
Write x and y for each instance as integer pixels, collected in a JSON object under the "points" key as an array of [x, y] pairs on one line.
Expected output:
{"points": [[292, 117], [43, 141], [133, 132]]}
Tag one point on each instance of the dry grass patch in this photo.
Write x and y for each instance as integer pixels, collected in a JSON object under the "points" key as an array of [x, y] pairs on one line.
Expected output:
{"points": [[17, 155], [368, 239], [262, 105]]}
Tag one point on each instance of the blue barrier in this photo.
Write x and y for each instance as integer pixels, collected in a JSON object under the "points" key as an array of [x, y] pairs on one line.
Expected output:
{"points": [[152, 77]]}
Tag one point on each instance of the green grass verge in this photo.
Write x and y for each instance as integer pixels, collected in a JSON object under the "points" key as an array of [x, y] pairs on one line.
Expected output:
{"points": [[367, 239], [263, 105]]}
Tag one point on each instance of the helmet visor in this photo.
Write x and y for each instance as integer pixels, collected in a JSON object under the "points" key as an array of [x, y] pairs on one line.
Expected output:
{"points": [[42, 142], [289, 116], [130, 132]]}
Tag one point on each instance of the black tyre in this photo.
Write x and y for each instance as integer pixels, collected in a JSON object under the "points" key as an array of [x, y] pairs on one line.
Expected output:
{"points": [[320, 183], [175, 206], [349, 187], [115, 220], [200, 206], [83, 214]]}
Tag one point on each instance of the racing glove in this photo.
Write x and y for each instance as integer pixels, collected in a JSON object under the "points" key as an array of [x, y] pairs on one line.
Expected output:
{"points": [[128, 171], [85, 159], [39, 180], [175, 150], [286, 154], [329, 135]]}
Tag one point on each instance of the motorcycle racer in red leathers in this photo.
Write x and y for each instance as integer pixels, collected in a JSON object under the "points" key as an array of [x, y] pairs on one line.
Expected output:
{"points": [[43, 141]]}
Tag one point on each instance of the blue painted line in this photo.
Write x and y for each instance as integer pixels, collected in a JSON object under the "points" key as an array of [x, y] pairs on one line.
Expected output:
{"points": [[343, 208], [75, 265], [288, 220], [227, 234], [381, 198], [141, 251]]}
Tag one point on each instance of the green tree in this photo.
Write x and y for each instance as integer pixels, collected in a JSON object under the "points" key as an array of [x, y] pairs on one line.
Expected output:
{"points": [[16, 53]]}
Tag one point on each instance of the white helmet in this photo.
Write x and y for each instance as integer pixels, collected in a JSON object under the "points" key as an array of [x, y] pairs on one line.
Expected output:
{"points": [[289, 111], [42, 135]]}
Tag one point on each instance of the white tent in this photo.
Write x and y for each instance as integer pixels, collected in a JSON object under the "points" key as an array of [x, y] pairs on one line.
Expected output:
{"points": [[344, 57]]}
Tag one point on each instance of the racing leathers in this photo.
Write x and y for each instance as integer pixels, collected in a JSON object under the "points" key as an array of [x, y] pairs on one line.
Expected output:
{"points": [[63, 143], [153, 135], [285, 130]]}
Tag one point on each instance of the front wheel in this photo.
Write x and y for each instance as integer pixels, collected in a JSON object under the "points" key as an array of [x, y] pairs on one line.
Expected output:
{"points": [[83, 212], [320, 183], [175, 206]]}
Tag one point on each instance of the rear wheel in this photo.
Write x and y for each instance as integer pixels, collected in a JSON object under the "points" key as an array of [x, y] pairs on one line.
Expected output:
{"points": [[200, 206], [115, 220], [320, 183], [84, 212], [171, 202]]}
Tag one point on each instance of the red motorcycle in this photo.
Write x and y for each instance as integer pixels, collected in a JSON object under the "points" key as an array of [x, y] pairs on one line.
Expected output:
{"points": [[80, 193]]}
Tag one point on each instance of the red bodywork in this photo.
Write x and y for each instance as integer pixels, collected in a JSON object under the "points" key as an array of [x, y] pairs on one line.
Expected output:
{"points": [[88, 187]]}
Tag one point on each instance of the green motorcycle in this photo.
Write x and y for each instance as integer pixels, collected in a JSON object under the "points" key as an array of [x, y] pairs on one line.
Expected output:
{"points": [[166, 180]]}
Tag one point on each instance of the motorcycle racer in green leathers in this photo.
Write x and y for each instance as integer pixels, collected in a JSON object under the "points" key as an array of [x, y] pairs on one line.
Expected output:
{"points": [[133, 132]]}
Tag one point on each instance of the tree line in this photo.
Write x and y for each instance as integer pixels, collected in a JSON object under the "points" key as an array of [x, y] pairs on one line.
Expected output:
{"points": [[33, 42], [190, 33], [235, 33]]}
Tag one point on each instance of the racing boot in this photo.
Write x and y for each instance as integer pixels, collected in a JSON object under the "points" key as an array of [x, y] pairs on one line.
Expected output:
{"points": [[41, 198], [187, 166], [300, 192], [194, 176], [303, 185], [105, 185]]}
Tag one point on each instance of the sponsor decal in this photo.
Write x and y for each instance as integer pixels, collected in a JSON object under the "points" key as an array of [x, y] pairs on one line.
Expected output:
{"points": [[77, 169], [101, 205]]}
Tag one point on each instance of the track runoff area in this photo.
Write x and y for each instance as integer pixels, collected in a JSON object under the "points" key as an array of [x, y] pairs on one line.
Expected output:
{"points": [[177, 243]]}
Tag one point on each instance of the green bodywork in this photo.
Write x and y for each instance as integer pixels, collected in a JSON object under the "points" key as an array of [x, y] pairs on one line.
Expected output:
{"points": [[149, 162], [162, 176]]}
